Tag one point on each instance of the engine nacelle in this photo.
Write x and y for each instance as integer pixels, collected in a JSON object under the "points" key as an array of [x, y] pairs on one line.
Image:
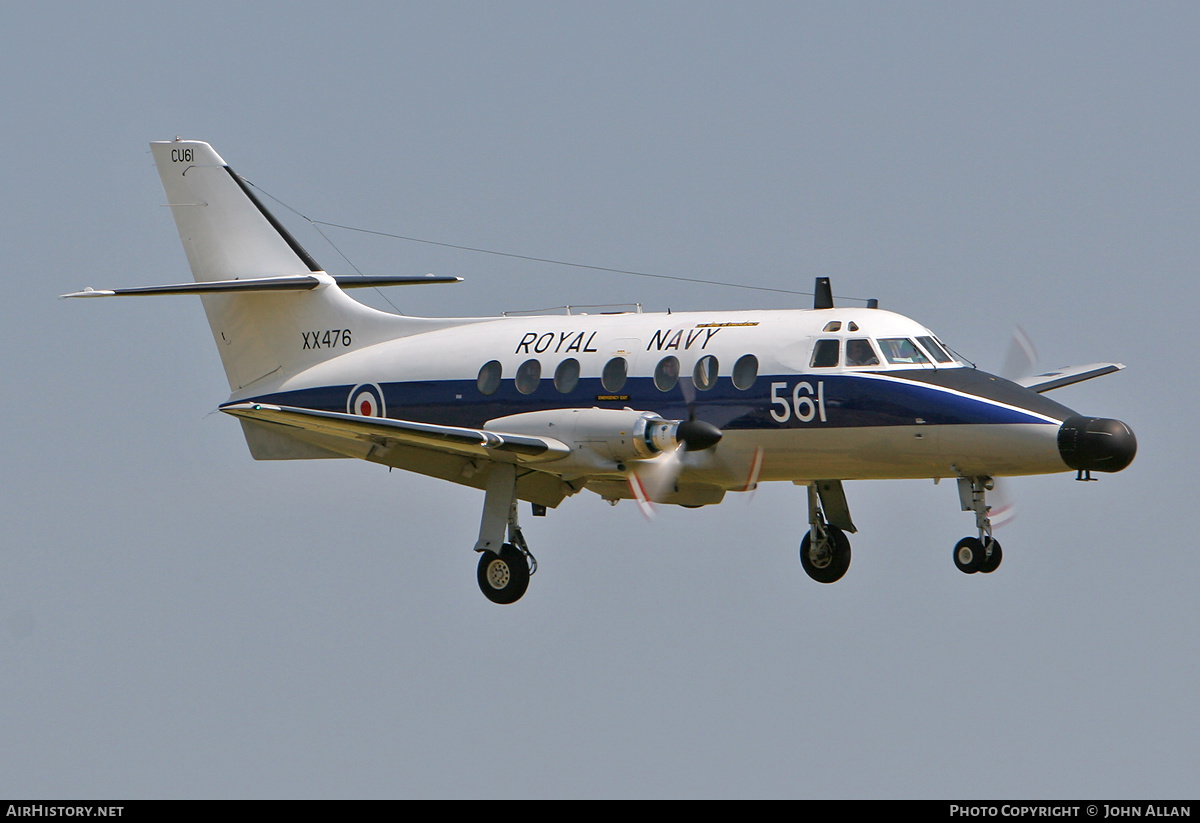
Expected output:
{"points": [[599, 438]]}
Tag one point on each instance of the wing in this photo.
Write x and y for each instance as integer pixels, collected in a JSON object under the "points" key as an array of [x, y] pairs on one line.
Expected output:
{"points": [[460, 455], [1066, 376]]}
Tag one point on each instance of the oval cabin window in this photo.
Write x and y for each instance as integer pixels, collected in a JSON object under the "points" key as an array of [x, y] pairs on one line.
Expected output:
{"points": [[489, 377]]}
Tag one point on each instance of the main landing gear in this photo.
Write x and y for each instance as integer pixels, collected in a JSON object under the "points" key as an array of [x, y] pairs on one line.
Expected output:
{"points": [[504, 577], [504, 567], [825, 550], [982, 553]]}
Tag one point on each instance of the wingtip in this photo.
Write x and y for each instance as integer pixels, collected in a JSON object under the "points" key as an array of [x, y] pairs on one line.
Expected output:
{"points": [[241, 408]]}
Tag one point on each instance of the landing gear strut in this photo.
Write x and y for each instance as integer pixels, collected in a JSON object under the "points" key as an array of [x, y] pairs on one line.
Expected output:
{"points": [[825, 550], [504, 567], [982, 553]]}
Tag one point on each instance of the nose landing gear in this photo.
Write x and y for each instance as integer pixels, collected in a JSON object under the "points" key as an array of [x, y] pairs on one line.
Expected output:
{"points": [[982, 553], [972, 555]]}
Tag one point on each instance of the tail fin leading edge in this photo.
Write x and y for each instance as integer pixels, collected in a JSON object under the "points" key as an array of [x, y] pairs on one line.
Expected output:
{"points": [[226, 231]]}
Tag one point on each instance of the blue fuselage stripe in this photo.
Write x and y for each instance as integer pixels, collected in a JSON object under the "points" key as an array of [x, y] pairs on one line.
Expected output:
{"points": [[849, 401]]}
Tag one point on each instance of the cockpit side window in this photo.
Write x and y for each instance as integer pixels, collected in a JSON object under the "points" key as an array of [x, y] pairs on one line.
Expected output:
{"points": [[900, 351], [935, 350], [825, 354], [859, 352]]}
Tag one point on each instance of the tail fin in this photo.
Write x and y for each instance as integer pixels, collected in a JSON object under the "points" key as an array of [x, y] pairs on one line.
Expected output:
{"points": [[228, 234]]}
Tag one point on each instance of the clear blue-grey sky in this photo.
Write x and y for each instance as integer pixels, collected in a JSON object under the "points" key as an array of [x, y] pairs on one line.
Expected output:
{"points": [[179, 620]]}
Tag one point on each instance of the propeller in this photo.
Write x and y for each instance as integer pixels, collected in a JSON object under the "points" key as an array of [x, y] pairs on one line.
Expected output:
{"points": [[688, 389], [1019, 361], [653, 480], [755, 469]]}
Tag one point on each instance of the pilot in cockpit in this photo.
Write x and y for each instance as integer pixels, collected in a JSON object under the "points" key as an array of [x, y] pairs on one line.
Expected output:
{"points": [[860, 353]]}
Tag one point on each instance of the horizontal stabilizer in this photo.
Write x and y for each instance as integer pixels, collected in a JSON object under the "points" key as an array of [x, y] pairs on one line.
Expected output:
{"points": [[1066, 376], [364, 281], [384, 431], [302, 282]]}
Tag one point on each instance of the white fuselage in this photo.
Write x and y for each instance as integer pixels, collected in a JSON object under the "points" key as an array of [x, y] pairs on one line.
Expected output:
{"points": [[812, 415]]}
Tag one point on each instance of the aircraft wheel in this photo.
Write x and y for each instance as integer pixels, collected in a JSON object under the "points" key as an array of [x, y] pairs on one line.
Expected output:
{"points": [[503, 577], [992, 563], [969, 555], [826, 564]]}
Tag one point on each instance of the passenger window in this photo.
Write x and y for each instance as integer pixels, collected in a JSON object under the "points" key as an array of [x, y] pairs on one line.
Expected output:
{"points": [[566, 376], [935, 349], [666, 373], [613, 376], [745, 371], [529, 374], [860, 353], [900, 351], [825, 354], [705, 373], [489, 377]]}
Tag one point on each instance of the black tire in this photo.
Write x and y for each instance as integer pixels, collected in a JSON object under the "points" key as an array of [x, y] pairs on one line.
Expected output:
{"points": [[827, 569], [503, 577], [969, 555], [993, 562]]}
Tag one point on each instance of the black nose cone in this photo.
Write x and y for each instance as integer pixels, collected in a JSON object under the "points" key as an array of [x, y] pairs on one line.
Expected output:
{"points": [[1096, 444]]}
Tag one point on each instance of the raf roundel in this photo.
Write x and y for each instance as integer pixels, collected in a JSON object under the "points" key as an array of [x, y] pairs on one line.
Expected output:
{"points": [[367, 400]]}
